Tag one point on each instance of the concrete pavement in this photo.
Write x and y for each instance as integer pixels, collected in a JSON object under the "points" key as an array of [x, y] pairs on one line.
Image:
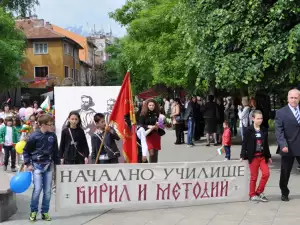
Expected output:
{"points": [[242, 213]]}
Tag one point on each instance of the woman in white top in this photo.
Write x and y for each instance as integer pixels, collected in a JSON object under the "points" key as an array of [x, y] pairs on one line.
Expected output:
{"points": [[6, 112], [243, 112], [252, 105], [36, 108]]}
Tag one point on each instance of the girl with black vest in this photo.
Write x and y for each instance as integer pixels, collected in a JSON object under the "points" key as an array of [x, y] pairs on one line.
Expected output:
{"points": [[73, 148]]}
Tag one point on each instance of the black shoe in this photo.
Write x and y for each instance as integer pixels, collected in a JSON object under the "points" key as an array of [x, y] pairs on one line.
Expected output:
{"points": [[177, 143], [284, 198], [207, 145], [216, 144], [5, 168], [13, 170]]}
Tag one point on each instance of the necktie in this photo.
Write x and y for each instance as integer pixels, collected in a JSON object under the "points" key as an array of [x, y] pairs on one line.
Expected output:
{"points": [[297, 115]]}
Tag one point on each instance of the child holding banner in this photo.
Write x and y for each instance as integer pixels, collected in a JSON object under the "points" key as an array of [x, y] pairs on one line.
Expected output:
{"points": [[256, 149]]}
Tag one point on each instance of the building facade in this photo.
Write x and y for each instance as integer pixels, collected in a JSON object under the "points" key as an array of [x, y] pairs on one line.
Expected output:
{"points": [[86, 56], [50, 57], [101, 40]]}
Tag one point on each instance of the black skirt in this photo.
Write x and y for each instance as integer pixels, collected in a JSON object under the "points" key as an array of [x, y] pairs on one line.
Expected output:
{"points": [[210, 125]]}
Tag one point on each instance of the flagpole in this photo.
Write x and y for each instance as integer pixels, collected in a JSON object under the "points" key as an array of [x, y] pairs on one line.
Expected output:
{"points": [[102, 143], [101, 146]]}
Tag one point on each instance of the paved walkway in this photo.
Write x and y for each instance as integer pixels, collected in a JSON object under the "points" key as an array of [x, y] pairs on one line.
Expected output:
{"points": [[243, 213]]}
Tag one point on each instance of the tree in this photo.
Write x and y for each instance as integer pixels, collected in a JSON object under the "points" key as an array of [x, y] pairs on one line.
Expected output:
{"points": [[245, 42], [22, 8], [234, 44], [12, 45], [153, 48]]}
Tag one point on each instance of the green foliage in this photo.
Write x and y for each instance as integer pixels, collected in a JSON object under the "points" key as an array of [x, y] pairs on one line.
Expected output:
{"points": [[12, 44], [22, 8], [206, 43]]}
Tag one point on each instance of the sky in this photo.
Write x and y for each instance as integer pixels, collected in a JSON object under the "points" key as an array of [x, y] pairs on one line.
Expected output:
{"points": [[85, 13]]}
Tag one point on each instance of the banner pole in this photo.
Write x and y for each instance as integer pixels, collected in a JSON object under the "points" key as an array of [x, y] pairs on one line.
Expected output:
{"points": [[101, 146]]}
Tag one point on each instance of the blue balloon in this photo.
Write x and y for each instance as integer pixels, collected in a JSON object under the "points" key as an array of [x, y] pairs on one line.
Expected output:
{"points": [[20, 182]]}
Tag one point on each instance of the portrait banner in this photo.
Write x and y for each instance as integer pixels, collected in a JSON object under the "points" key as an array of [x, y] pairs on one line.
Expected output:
{"points": [[87, 101], [82, 187]]}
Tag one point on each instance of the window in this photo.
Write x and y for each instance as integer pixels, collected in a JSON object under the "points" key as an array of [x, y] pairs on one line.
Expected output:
{"points": [[76, 54], [71, 51], [66, 71], [41, 71], [40, 48], [65, 48]]}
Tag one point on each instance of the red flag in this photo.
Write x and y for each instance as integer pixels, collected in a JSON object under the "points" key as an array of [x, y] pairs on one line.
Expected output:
{"points": [[123, 117]]}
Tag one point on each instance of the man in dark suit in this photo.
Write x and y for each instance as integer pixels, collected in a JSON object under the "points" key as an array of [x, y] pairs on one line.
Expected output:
{"points": [[287, 123]]}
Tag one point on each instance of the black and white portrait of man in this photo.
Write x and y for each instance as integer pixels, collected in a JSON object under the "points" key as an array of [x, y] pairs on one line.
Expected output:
{"points": [[87, 101], [109, 107], [86, 113]]}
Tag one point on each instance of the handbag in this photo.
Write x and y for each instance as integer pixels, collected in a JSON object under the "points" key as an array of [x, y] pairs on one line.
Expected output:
{"points": [[161, 132], [75, 144]]}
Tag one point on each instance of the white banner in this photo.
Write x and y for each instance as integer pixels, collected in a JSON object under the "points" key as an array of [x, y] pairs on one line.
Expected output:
{"points": [[87, 101], [115, 185]]}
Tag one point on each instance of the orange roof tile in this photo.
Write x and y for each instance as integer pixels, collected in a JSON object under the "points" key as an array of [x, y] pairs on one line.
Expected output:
{"points": [[37, 29], [83, 53]]}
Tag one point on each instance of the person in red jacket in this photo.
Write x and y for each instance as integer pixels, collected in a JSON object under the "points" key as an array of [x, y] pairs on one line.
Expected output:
{"points": [[226, 140]]}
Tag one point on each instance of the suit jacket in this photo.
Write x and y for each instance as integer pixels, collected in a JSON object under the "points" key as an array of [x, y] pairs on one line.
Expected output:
{"points": [[287, 131]]}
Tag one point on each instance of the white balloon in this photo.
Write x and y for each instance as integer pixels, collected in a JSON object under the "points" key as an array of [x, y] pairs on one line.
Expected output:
{"points": [[28, 112]]}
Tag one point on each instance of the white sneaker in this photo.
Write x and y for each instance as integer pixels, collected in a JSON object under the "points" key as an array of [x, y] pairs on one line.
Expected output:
{"points": [[54, 189], [255, 198], [263, 198], [225, 159]]}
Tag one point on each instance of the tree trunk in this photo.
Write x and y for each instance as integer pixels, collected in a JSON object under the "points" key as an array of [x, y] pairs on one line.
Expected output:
{"points": [[244, 91]]}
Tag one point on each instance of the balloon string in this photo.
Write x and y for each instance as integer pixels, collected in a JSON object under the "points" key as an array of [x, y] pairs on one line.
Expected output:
{"points": [[22, 167]]}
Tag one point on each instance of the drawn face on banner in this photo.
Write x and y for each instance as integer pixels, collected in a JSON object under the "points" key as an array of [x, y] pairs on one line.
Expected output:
{"points": [[86, 102], [110, 105]]}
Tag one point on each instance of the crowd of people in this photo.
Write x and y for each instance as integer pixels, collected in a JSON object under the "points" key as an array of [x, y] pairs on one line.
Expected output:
{"points": [[11, 123], [215, 119], [42, 150], [199, 117], [202, 117]]}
